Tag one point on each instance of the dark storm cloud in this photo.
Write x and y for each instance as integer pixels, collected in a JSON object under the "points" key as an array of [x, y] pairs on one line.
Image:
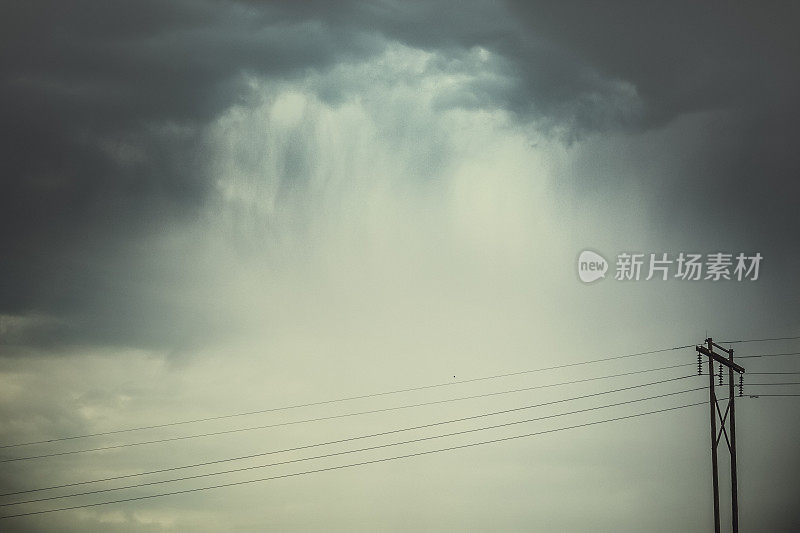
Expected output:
{"points": [[543, 81], [681, 56], [103, 105], [738, 184]]}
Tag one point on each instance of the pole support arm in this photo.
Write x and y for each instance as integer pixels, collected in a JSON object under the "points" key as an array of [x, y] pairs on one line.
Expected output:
{"points": [[718, 358]]}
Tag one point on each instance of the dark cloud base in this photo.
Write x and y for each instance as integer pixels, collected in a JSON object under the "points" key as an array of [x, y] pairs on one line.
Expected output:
{"points": [[104, 105]]}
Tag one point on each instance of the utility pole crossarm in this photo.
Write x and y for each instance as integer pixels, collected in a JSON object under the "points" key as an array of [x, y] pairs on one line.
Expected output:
{"points": [[718, 358]]}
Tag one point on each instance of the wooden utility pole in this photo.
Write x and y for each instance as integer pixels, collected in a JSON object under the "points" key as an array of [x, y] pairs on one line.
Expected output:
{"points": [[730, 417], [712, 403], [732, 448]]}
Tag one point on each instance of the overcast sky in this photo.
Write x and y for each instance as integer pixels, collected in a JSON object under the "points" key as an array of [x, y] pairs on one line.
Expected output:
{"points": [[216, 207]]}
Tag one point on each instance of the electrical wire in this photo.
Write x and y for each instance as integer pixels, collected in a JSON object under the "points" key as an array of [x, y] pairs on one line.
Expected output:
{"points": [[345, 452], [772, 395], [349, 465], [763, 384], [422, 404], [761, 340], [770, 373], [767, 355], [349, 398], [216, 433], [315, 445]]}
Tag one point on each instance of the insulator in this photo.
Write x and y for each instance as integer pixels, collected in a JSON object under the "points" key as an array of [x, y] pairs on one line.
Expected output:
{"points": [[720, 374], [741, 385], [699, 365]]}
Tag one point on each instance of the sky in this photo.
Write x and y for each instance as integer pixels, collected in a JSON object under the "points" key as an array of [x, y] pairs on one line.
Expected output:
{"points": [[220, 207]]}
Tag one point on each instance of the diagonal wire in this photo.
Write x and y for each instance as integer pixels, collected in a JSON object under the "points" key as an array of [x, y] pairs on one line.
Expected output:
{"points": [[350, 465], [767, 355], [345, 452], [349, 398], [770, 373], [218, 461], [216, 433], [761, 340]]}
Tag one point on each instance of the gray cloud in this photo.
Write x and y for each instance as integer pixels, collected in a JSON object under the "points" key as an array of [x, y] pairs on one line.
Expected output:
{"points": [[682, 57], [718, 75], [106, 105]]}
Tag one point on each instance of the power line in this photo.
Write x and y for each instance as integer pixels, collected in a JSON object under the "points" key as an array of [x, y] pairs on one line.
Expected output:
{"points": [[762, 384], [350, 465], [767, 355], [408, 406], [349, 439], [772, 395], [770, 373], [345, 452], [216, 433], [761, 340], [337, 400]]}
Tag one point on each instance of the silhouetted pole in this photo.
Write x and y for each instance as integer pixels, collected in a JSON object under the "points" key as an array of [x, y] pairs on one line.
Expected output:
{"points": [[730, 439], [732, 424], [712, 402]]}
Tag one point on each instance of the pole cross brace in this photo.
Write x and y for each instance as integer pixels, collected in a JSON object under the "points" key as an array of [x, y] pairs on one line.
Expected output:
{"points": [[722, 419]]}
